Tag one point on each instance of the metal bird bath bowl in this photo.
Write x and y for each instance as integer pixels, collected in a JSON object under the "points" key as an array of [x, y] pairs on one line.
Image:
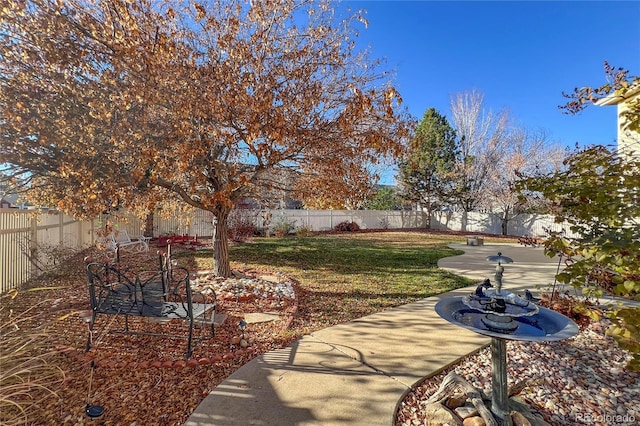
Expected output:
{"points": [[504, 316], [543, 326]]}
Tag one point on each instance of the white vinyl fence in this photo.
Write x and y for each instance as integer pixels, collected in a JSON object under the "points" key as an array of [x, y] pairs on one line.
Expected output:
{"points": [[27, 238], [491, 223]]}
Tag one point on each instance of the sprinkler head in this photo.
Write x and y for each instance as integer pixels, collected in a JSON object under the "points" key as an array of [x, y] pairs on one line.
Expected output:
{"points": [[94, 411]]}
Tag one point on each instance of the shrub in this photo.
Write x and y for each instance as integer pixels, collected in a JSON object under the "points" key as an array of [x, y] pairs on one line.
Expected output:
{"points": [[384, 223], [48, 257], [304, 231], [347, 226], [579, 310], [597, 193], [241, 226], [283, 227], [241, 232]]}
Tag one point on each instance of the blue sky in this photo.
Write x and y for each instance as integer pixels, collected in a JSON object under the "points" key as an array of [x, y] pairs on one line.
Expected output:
{"points": [[520, 55]]}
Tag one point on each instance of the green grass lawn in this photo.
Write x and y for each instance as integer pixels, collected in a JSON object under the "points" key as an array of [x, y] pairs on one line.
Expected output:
{"points": [[346, 276]]}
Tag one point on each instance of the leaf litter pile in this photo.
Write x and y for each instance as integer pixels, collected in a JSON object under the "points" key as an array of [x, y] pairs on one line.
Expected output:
{"points": [[139, 380]]}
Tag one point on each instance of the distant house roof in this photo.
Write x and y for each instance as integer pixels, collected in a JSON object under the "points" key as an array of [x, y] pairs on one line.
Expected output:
{"points": [[11, 201]]}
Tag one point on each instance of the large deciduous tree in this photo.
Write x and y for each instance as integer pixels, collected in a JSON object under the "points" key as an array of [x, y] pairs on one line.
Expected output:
{"points": [[425, 173], [322, 188], [482, 138], [124, 103], [492, 150], [525, 153]]}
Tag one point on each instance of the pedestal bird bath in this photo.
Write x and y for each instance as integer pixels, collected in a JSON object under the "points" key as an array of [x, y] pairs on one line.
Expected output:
{"points": [[503, 316]]}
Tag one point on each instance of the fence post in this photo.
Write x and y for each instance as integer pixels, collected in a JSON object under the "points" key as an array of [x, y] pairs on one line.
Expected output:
{"points": [[33, 243], [80, 237], [60, 229]]}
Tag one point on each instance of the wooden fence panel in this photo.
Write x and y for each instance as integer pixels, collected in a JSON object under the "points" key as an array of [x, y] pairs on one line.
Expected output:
{"points": [[27, 239], [16, 233]]}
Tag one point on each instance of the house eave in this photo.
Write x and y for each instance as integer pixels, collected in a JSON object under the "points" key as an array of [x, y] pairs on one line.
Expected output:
{"points": [[614, 99]]}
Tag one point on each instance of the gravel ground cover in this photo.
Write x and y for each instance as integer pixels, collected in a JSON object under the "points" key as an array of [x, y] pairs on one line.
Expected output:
{"points": [[578, 381]]}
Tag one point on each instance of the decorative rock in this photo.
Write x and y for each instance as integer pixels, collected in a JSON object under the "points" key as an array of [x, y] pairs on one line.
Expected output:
{"points": [[246, 288], [243, 343], [246, 297], [167, 364], [550, 405], [192, 363], [204, 361], [179, 364], [437, 414], [235, 340], [216, 358], [455, 402], [588, 368], [474, 421], [156, 364], [518, 419], [466, 411]]}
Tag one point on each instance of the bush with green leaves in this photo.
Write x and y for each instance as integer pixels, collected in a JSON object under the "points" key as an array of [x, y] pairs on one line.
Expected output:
{"points": [[598, 194], [385, 198]]}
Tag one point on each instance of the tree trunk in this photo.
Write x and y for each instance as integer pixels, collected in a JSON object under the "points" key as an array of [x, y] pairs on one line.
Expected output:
{"points": [[221, 264], [505, 222], [148, 224]]}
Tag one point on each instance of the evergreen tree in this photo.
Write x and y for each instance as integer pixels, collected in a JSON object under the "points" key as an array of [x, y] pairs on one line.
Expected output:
{"points": [[384, 199], [423, 173]]}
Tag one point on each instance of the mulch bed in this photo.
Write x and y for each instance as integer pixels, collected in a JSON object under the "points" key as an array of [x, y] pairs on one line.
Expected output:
{"points": [[139, 380]]}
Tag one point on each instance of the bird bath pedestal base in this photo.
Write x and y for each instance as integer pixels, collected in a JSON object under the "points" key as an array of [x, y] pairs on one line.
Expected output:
{"points": [[510, 319], [499, 396]]}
